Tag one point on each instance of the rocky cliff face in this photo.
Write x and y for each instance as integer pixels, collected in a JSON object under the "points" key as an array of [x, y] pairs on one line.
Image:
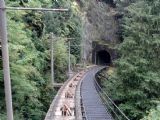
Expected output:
{"points": [[100, 28]]}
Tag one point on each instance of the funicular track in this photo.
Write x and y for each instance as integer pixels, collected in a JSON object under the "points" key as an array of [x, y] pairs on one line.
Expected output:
{"points": [[80, 98], [77, 99], [63, 105], [92, 105]]}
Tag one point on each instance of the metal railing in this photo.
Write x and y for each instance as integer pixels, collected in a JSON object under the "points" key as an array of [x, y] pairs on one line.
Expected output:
{"points": [[108, 102]]}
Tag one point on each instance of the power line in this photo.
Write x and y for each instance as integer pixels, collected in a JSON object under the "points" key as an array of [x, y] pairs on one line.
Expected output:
{"points": [[34, 9], [5, 51]]}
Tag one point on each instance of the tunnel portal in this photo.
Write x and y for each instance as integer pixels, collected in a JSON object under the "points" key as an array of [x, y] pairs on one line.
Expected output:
{"points": [[103, 58]]}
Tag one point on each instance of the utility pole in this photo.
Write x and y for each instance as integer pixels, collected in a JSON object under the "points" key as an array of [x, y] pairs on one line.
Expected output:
{"points": [[5, 52], [69, 58], [83, 41], [52, 59], [5, 58]]}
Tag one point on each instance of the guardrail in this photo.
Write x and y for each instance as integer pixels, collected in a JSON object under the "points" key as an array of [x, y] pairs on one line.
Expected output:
{"points": [[108, 102]]}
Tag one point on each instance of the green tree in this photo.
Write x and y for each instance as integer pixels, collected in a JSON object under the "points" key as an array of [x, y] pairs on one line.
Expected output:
{"points": [[66, 24], [137, 70], [29, 47], [153, 114]]}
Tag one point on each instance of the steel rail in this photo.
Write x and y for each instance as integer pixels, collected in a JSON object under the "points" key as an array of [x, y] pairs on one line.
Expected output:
{"points": [[51, 112], [101, 95], [83, 112], [89, 103], [82, 106], [107, 103], [104, 93], [84, 116], [78, 98]]}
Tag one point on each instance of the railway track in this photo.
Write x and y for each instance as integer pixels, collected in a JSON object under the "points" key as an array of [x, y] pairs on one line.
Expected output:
{"points": [[78, 99], [93, 106], [64, 103]]}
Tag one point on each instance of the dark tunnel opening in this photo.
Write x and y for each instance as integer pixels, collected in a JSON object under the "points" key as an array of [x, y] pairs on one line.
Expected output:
{"points": [[110, 2], [103, 58]]}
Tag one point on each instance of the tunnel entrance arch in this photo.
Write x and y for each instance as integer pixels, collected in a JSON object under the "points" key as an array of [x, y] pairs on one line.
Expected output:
{"points": [[102, 54], [102, 57]]}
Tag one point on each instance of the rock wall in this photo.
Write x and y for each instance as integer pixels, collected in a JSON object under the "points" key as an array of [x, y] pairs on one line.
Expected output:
{"points": [[100, 28]]}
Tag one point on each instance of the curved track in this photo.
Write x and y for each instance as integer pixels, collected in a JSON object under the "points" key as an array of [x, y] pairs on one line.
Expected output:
{"points": [[92, 104], [78, 99], [63, 105]]}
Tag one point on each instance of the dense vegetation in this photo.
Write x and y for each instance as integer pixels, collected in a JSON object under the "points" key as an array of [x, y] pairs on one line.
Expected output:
{"points": [[29, 46], [135, 75], [136, 78]]}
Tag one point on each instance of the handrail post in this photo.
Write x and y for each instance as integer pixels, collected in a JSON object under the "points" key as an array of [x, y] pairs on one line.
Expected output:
{"points": [[5, 57]]}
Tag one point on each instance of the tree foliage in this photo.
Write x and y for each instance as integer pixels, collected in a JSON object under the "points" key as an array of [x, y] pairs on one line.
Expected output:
{"points": [[65, 24], [137, 74], [29, 47]]}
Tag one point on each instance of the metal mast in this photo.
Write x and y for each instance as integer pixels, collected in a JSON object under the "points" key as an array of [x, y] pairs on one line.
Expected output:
{"points": [[52, 59], [69, 58], [5, 58], [5, 52]]}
